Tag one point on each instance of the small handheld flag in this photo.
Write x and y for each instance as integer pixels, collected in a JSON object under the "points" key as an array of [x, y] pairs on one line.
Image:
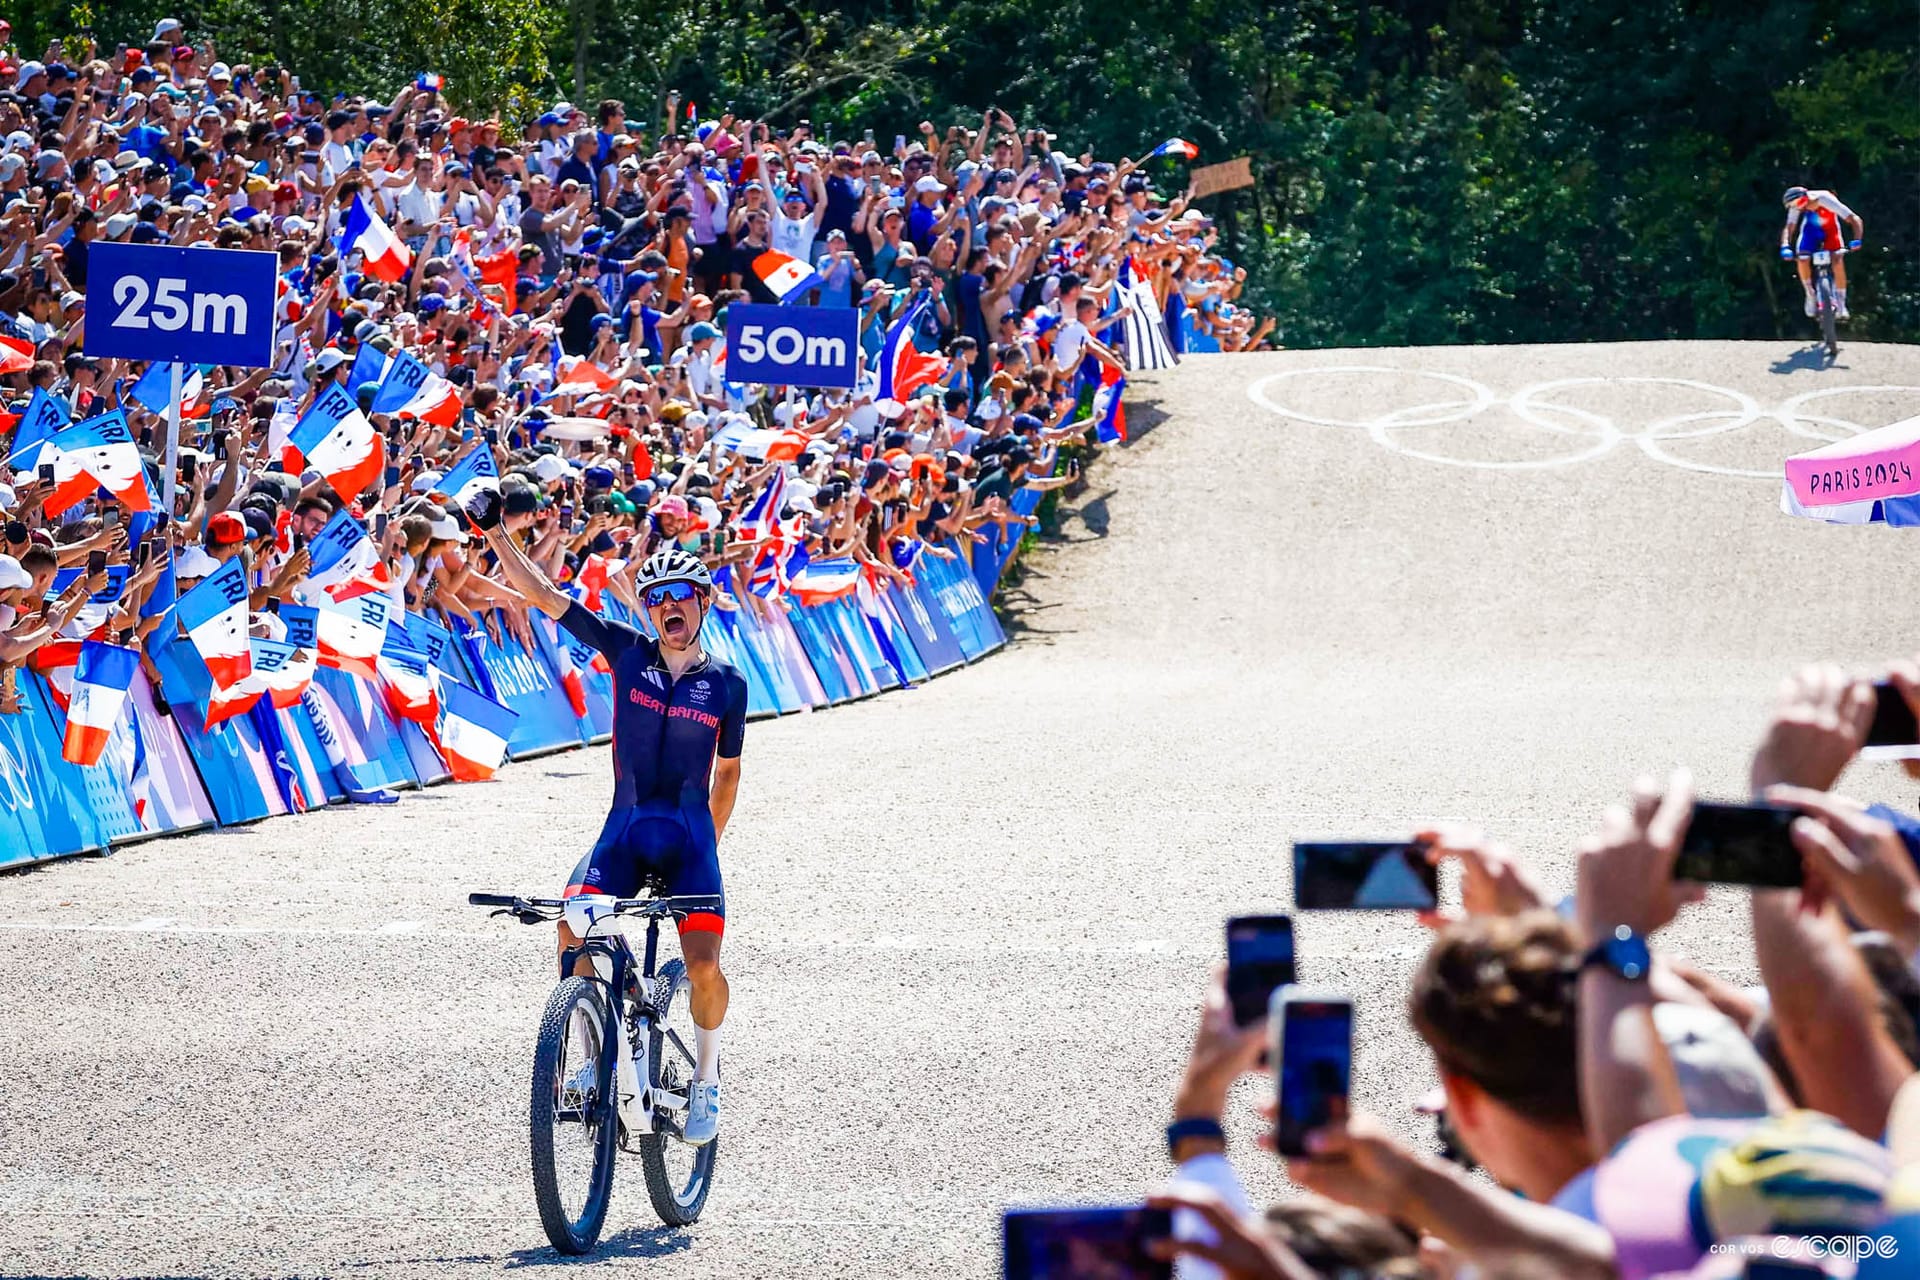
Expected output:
{"points": [[100, 683], [1175, 147], [385, 257], [430, 82], [97, 453], [44, 415], [215, 616], [470, 475], [336, 440], [474, 731], [784, 276]]}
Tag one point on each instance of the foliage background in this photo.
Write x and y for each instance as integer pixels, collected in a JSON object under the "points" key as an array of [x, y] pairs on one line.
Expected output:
{"points": [[1430, 171]]}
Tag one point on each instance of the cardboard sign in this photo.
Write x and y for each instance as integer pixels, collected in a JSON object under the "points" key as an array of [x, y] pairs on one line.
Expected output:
{"points": [[1231, 175]]}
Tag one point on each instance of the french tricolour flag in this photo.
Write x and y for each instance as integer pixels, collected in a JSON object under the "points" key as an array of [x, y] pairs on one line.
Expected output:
{"points": [[474, 731], [97, 453], [469, 476], [408, 677], [579, 376], [341, 552], [386, 258], [785, 276], [437, 401], [1175, 147], [336, 440], [154, 389], [352, 632], [824, 580], [1109, 416], [215, 616], [44, 415], [100, 684], [903, 368]]}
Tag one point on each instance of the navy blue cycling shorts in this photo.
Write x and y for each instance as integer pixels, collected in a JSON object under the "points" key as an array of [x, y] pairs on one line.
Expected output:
{"points": [[662, 847]]}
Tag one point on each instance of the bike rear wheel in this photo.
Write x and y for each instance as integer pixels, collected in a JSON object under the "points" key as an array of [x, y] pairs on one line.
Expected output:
{"points": [[679, 1176], [572, 1117]]}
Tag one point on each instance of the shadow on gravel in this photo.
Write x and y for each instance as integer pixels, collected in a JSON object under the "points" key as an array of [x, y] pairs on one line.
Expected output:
{"points": [[1142, 418], [638, 1242], [1811, 359]]}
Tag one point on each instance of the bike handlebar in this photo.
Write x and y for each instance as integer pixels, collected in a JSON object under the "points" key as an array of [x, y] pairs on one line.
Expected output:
{"points": [[534, 910]]}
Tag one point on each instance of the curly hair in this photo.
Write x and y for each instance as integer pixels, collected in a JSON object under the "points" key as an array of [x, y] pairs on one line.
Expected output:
{"points": [[1495, 1001]]}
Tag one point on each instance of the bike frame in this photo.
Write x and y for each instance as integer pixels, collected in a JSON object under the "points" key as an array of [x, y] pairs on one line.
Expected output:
{"points": [[612, 960]]}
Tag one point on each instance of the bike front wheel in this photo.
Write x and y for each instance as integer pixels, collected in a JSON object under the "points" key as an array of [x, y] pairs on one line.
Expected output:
{"points": [[572, 1117], [679, 1176], [1826, 307]]}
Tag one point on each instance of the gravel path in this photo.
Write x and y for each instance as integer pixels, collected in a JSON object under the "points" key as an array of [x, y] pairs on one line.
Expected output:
{"points": [[968, 924]]}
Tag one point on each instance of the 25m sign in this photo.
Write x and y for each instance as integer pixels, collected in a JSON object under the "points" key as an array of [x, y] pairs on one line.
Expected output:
{"points": [[199, 306]]}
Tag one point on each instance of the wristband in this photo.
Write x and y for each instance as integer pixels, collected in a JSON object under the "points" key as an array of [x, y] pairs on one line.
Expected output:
{"points": [[1194, 1127]]}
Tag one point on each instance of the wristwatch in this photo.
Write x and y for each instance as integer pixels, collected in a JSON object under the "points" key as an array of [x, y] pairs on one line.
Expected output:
{"points": [[1624, 953], [1193, 1127]]}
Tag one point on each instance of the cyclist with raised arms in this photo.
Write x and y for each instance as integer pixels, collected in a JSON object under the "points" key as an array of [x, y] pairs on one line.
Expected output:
{"points": [[678, 720], [1813, 223]]}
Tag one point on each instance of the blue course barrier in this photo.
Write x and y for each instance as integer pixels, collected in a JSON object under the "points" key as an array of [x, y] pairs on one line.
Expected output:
{"points": [[341, 741]]}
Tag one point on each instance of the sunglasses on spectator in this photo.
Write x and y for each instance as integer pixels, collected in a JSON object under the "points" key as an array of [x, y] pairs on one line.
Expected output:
{"points": [[670, 593]]}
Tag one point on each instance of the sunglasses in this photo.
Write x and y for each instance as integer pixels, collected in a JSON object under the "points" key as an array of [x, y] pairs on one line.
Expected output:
{"points": [[670, 593]]}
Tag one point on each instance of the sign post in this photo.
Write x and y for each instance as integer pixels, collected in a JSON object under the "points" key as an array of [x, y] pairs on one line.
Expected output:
{"points": [[185, 306]]}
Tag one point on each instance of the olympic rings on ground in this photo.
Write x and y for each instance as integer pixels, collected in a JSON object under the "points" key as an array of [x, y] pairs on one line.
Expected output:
{"points": [[1591, 434]]}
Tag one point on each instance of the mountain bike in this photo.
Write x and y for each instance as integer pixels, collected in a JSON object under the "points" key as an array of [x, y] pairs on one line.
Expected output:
{"points": [[1826, 301], [611, 1067]]}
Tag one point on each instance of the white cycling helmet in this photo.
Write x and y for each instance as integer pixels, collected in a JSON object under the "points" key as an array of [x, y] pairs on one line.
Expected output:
{"points": [[671, 564]]}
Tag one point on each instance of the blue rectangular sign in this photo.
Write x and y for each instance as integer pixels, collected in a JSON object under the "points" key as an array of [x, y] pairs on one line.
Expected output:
{"points": [[793, 346], [193, 306]]}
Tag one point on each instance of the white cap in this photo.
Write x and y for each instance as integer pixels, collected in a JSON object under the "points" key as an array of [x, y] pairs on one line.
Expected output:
{"points": [[929, 183], [8, 497], [889, 409], [698, 418], [163, 26], [783, 412], [425, 481], [219, 71], [445, 527], [549, 467], [194, 562], [28, 70], [119, 224], [12, 576]]}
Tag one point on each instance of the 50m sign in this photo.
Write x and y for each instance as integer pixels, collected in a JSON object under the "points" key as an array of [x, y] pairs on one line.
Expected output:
{"points": [[200, 306]]}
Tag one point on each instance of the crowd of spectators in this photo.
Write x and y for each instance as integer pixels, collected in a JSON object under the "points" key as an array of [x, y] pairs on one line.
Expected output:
{"points": [[1667, 1123], [569, 277]]}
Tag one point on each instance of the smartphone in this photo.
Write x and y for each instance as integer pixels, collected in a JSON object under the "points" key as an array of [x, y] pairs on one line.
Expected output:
{"points": [[493, 436], [189, 464], [1364, 875], [46, 473], [1893, 721], [219, 443], [1749, 844], [1259, 962], [899, 142], [296, 540], [1068, 1244], [393, 477], [96, 562], [144, 554], [1313, 1052], [109, 517], [380, 527]]}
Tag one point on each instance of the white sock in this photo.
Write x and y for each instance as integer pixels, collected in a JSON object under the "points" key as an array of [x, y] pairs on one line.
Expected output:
{"points": [[1842, 295], [706, 1053]]}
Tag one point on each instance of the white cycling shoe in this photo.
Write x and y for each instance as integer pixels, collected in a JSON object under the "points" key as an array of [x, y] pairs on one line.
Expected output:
{"points": [[1840, 312], [1809, 306], [703, 1112]]}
